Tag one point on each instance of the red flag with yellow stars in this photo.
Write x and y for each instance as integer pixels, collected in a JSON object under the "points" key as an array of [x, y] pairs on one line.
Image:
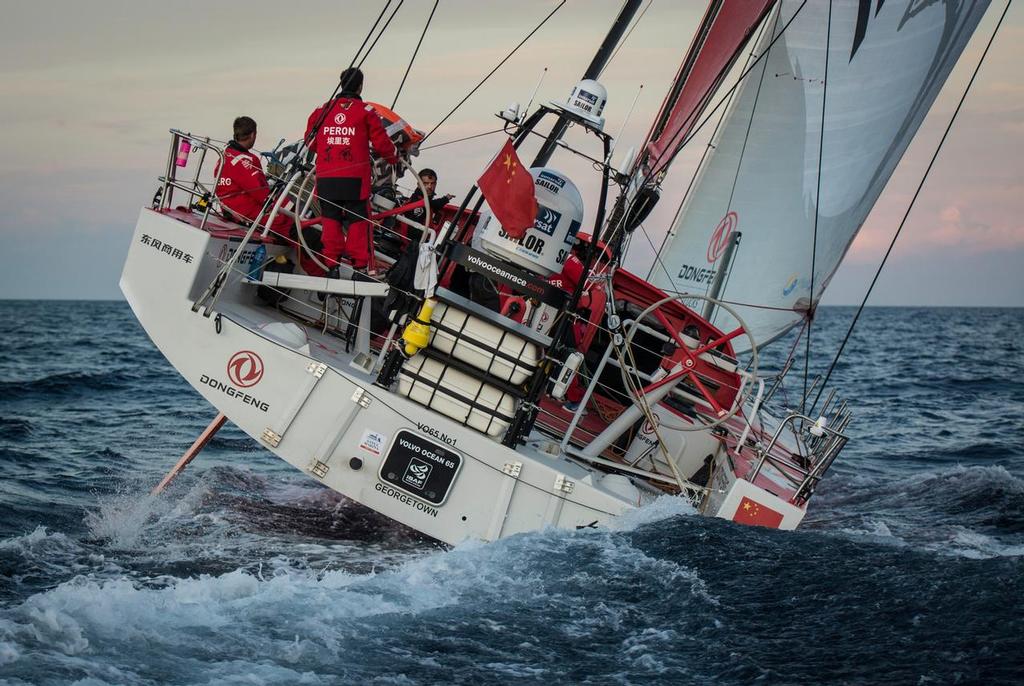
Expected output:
{"points": [[508, 187], [755, 514]]}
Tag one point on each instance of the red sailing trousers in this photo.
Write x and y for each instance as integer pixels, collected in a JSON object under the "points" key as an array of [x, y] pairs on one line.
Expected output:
{"points": [[346, 230]]}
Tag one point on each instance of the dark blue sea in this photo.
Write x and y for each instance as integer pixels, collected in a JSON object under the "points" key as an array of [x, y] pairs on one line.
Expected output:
{"points": [[909, 568]]}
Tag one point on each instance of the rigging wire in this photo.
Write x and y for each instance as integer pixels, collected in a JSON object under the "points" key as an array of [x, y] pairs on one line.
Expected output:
{"points": [[414, 53], [718, 105], [323, 115], [382, 30], [811, 307], [626, 37], [496, 68], [370, 33], [464, 138], [906, 214]]}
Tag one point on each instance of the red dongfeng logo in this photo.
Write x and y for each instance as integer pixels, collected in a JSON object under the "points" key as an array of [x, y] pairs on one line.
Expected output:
{"points": [[721, 235], [339, 118], [245, 368]]}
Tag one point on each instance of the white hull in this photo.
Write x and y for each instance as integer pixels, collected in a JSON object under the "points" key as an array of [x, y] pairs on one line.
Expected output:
{"points": [[325, 417]]}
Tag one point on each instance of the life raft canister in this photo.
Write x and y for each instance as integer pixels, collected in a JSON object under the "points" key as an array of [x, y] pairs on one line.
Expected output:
{"points": [[406, 138]]}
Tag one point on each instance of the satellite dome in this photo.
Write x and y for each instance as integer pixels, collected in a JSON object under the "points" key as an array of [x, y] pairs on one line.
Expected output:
{"points": [[587, 101]]}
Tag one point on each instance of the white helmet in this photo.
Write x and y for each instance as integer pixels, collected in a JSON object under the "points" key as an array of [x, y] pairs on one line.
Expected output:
{"points": [[587, 101]]}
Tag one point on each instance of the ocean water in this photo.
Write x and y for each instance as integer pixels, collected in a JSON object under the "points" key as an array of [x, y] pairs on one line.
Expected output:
{"points": [[909, 568]]}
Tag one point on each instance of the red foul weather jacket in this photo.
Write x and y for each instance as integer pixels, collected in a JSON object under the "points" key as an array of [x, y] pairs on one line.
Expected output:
{"points": [[342, 143], [242, 187]]}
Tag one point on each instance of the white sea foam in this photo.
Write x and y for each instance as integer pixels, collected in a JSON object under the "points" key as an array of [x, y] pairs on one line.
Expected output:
{"points": [[875, 530], [39, 539], [52, 553], [278, 621], [664, 507], [128, 518], [972, 544], [879, 529], [9, 651], [961, 497]]}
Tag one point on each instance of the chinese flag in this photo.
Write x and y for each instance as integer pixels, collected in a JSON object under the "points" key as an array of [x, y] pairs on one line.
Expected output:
{"points": [[508, 187], [755, 514]]}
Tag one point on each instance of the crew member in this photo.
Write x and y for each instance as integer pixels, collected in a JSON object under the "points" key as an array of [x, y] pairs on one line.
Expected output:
{"points": [[340, 132], [428, 177], [242, 189], [242, 186]]}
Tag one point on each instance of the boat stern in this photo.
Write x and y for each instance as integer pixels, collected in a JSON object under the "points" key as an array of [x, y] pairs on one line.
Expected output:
{"points": [[742, 502]]}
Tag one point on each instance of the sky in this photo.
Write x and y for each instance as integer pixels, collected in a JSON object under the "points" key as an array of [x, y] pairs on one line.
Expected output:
{"points": [[88, 92]]}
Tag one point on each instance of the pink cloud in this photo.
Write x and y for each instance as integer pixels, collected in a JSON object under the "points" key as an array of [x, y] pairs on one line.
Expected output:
{"points": [[959, 227], [955, 226], [950, 232]]}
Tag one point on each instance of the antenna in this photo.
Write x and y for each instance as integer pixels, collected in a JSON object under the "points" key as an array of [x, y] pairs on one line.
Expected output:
{"points": [[537, 88], [624, 122]]}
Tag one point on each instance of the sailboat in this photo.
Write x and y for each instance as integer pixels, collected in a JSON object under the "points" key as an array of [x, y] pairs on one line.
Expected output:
{"points": [[550, 401]]}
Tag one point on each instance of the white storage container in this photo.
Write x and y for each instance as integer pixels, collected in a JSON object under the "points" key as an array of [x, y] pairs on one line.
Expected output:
{"points": [[476, 341], [450, 392]]}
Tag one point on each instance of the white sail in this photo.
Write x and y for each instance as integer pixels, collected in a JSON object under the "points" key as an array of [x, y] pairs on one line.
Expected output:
{"points": [[887, 62]]}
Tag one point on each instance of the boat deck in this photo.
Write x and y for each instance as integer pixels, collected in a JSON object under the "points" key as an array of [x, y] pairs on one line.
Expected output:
{"points": [[303, 312]]}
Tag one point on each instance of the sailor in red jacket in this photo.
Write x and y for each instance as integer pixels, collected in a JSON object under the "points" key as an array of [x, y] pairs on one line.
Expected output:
{"points": [[341, 138], [242, 188]]}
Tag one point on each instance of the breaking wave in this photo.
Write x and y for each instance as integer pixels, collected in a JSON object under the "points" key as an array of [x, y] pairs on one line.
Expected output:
{"points": [[979, 510]]}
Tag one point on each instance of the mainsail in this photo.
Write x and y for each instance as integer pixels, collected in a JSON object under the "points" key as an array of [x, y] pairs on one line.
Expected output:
{"points": [[886, 63]]}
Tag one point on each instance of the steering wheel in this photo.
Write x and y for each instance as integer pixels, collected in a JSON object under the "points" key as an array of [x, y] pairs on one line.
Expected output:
{"points": [[690, 356], [315, 256]]}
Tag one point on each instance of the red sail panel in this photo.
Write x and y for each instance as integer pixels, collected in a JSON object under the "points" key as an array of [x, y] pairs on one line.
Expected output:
{"points": [[709, 59]]}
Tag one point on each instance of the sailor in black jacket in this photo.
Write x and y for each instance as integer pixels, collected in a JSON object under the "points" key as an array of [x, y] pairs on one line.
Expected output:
{"points": [[429, 179]]}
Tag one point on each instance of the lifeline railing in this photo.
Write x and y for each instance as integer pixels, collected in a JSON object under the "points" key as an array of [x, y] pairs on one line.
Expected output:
{"points": [[824, 444], [194, 187]]}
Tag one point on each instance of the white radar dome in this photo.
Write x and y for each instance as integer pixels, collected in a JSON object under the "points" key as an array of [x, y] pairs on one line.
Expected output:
{"points": [[545, 246], [587, 101]]}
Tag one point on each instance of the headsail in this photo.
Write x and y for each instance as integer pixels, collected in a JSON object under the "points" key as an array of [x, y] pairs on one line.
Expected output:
{"points": [[887, 62]]}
